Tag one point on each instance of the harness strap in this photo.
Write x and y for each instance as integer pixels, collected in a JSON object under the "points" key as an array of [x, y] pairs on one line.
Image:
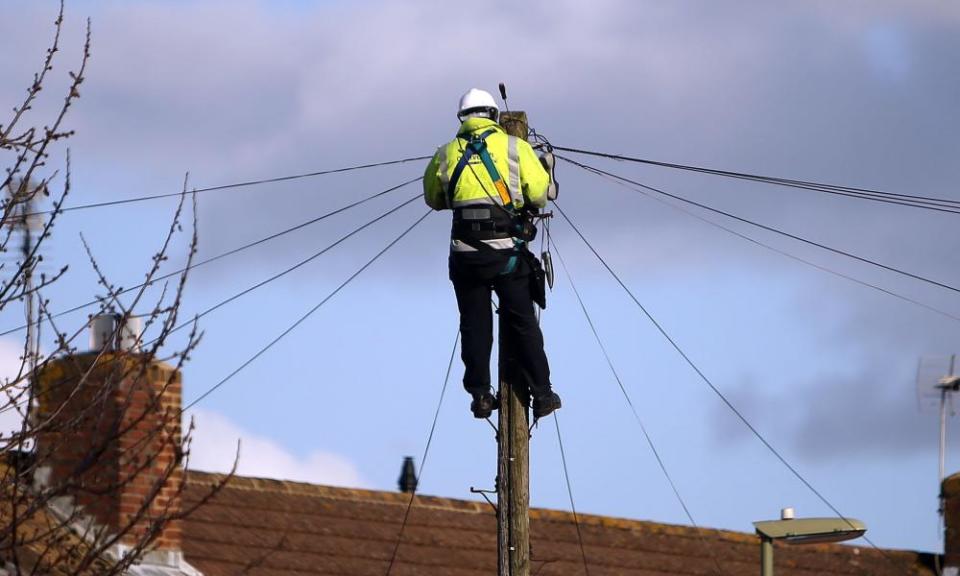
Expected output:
{"points": [[455, 177], [476, 144]]}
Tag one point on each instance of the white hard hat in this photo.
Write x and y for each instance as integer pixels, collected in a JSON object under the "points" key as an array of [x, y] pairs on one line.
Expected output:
{"points": [[480, 102]]}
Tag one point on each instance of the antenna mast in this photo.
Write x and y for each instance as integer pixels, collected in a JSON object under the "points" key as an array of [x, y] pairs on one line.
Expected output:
{"points": [[946, 385], [21, 196], [936, 382], [26, 209]]}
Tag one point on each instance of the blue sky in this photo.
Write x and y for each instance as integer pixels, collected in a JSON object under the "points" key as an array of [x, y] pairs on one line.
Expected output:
{"points": [[859, 93]]}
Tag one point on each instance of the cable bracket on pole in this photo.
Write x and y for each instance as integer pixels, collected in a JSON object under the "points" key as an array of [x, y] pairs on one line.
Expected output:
{"points": [[484, 493]]}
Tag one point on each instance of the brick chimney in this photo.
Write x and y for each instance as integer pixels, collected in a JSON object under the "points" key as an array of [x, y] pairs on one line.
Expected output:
{"points": [[950, 492], [111, 430]]}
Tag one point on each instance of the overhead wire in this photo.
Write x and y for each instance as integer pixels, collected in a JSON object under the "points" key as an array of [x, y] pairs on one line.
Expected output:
{"points": [[545, 243], [426, 452], [274, 277], [573, 505], [228, 186], [296, 266], [924, 202], [666, 335], [782, 233], [623, 389], [304, 317], [621, 181], [232, 251]]}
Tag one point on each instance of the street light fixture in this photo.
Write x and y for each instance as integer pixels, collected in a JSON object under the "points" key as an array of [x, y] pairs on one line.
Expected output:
{"points": [[802, 531]]}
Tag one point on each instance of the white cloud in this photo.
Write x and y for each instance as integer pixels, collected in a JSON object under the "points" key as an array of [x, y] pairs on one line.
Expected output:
{"points": [[215, 442], [214, 446]]}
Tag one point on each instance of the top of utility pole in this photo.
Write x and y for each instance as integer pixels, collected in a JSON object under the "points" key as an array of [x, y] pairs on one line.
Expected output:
{"points": [[515, 123]]}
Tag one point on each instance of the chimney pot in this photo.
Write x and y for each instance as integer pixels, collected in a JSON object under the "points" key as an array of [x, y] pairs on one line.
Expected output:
{"points": [[408, 476], [115, 332]]}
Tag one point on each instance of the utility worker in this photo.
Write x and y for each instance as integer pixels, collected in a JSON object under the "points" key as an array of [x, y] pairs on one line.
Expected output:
{"points": [[491, 181]]}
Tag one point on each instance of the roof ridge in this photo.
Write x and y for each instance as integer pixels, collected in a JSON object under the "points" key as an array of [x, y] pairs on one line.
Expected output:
{"points": [[425, 501], [333, 492]]}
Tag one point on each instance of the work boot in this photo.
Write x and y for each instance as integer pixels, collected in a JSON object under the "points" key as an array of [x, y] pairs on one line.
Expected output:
{"points": [[546, 404], [484, 403]]}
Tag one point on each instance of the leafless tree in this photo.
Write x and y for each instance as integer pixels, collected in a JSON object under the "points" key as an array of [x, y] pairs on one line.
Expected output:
{"points": [[89, 405]]}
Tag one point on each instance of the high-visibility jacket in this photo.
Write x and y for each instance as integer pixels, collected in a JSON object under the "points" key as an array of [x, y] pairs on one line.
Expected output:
{"points": [[517, 163]]}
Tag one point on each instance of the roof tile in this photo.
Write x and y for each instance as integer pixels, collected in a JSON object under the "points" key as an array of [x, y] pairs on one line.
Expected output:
{"points": [[272, 527]]}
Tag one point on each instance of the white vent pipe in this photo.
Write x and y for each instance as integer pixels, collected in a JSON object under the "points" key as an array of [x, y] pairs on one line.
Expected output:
{"points": [[104, 334]]}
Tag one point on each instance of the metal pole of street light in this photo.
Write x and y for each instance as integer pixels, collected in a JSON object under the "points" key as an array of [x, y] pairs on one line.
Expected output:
{"points": [[766, 556]]}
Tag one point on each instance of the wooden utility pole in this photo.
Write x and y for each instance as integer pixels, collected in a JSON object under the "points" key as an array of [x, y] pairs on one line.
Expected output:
{"points": [[513, 437]]}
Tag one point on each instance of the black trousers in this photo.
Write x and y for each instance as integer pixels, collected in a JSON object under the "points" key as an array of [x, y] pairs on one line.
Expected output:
{"points": [[474, 275]]}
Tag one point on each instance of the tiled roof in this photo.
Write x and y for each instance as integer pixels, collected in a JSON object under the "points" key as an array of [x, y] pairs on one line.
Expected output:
{"points": [[36, 554], [49, 546], [271, 528]]}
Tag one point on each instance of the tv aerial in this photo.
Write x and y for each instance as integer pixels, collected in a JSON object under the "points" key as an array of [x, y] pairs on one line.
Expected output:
{"points": [[18, 213], [937, 382]]}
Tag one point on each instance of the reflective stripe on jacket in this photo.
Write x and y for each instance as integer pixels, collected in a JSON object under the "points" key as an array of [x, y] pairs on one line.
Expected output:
{"points": [[514, 158]]}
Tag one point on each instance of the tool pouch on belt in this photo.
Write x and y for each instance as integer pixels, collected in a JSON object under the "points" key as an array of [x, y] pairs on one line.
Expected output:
{"points": [[538, 279]]}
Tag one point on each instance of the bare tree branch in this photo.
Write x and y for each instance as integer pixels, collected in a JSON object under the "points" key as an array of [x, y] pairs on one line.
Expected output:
{"points": [[94, 425]]}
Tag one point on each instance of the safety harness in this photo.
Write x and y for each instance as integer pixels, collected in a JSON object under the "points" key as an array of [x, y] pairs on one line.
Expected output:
{"points": [[474, 224]]}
